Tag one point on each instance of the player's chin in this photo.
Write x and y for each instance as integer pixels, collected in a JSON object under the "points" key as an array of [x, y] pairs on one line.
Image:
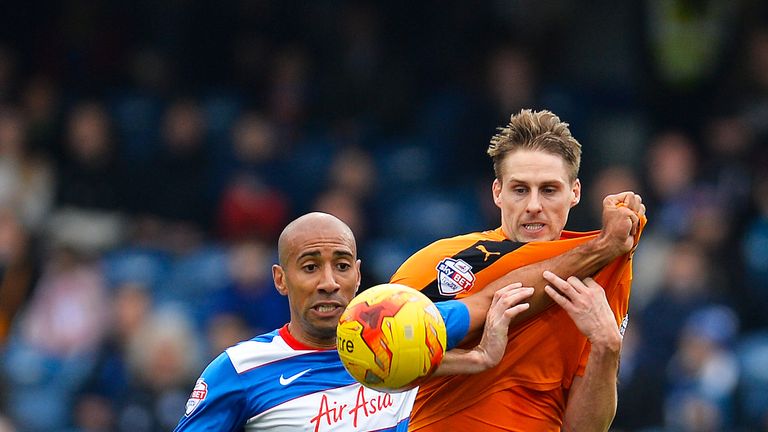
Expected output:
{"points": [[326, 329], [529, 237]]}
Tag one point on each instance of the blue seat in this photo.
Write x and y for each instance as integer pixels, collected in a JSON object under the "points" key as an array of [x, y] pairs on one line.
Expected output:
{"points": [[402, 166], [193, 278], [149, 267], [422, 217], [381, 257], [137, 121]]}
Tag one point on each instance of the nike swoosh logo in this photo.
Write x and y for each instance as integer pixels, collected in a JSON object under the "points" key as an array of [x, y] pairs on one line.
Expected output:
{"points": [[285, 381]]}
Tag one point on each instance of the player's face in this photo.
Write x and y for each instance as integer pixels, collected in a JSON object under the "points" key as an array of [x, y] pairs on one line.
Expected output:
{"points": [[320, 277], [535, 195]]}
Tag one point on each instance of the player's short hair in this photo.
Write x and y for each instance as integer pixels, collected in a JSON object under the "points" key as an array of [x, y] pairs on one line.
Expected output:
{"points": [[538, 131]]}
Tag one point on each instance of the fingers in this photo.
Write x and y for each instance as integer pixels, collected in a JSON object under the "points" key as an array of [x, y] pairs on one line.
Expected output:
{"points": [[634, 220], [556, 296], [628, 199], [586, 303], [558, 289], [516, 310], [514, 289], [573, 284], [616, 199], [509, 300], [513, 296], [567, 293], [633, 201]]}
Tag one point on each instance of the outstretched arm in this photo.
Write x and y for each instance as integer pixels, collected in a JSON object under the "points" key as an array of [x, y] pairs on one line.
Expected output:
{"points": [[621, 215], [507, 303], [592, 399]]}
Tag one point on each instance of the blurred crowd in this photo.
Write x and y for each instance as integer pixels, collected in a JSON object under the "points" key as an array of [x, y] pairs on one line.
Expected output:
{"points": [[151, 153]]}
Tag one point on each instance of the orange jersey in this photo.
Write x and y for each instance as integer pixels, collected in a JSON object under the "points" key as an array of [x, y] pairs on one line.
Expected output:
{"points": [[528, 390]]}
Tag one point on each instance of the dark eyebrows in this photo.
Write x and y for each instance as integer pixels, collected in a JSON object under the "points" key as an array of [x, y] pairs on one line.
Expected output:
{"points": [[515, 181], [344, 254], [316, 253], [308, 254]]}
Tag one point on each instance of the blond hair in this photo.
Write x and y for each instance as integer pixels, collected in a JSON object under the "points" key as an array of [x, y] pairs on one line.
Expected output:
{"points": [[537, 131]]}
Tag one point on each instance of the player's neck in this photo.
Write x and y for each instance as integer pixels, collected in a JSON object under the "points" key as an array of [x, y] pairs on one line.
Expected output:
{"points": [[308, 341]]}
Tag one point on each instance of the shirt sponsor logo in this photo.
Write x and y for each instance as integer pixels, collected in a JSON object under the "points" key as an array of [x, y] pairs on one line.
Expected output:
{"points": [[198, 395], [285, 381], [366, 404], [454, 276]]}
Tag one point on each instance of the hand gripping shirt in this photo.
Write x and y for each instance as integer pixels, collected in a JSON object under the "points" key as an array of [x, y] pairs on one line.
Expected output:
{"points": [[528, 390], [273, 382]]}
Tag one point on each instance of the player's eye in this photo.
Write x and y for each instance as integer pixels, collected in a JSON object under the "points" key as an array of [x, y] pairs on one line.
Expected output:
{"points": [[310, 267], [344, 266], [519, 190]]}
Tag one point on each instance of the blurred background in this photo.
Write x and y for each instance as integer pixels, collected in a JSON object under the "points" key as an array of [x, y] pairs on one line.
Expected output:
{"points": [[152, 151]]}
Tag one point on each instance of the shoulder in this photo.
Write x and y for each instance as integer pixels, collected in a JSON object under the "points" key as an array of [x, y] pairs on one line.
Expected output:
{"points": [[448, 246], [259, 351]]}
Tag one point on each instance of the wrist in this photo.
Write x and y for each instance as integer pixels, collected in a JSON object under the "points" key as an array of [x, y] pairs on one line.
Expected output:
{"points": [[461, 361], [596, 254], [608, 344], [477, 360], [607, 247]]}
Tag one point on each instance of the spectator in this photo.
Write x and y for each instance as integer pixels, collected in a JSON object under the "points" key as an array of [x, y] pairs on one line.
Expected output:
{"points": [[250, 295], [174, 195], [52, 349], [89, 180], [41, 105], [109, 382], [703, 373], [163, 358], [18, 269], [252, 202], [755, 251], [26, 177]]}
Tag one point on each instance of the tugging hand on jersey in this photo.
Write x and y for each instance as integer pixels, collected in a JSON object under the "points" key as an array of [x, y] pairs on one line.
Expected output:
{"points": [[586, 304], [621, 218]]}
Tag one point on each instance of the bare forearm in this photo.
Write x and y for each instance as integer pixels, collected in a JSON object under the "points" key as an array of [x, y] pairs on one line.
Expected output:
{"points": [[593, 399], [581, 261], [460, 361]]}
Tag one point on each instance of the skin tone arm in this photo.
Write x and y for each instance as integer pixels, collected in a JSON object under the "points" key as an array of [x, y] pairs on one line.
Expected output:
{"points": [[505, 306], [592, 399], [621, 214]]}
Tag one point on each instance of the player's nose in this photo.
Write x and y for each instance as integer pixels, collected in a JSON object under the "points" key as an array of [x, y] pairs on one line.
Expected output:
{"points": [[328, 280], [534, 203]]}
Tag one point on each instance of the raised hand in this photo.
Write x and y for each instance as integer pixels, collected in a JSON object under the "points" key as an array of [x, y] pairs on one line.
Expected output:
{"points": [[621, 219]]}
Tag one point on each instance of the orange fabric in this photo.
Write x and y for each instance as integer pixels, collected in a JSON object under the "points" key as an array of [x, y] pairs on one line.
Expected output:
{"points": [[527, 391]]}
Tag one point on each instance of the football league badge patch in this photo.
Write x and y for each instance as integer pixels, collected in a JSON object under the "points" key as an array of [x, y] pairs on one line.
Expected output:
{"points": [[454, 276], [198, 395]]}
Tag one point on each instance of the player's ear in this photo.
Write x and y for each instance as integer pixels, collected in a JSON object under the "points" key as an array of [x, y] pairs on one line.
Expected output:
{"points": [[496, 189], [278, 276], [359, 275], [575, 192]]}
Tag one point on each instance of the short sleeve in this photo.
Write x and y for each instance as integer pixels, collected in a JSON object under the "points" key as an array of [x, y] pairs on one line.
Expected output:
{"points": [[456, 317], [216, 402]]}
